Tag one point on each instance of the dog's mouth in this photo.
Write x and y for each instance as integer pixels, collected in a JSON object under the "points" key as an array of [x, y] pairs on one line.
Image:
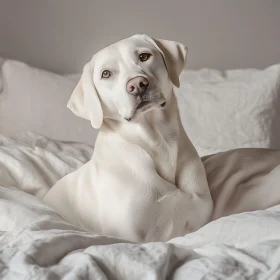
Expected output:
{"points": [[144, 104]]}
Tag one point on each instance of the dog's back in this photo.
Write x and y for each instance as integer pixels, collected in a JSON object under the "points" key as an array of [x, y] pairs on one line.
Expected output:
{"points": [[243, 180]]}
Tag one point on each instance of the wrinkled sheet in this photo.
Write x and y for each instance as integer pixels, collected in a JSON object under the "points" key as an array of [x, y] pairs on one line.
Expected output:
{"points": [[33, 163], [35, 243]]}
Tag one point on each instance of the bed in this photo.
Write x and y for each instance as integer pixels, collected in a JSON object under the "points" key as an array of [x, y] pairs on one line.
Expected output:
{"points": [[37, 244], [240, 109]]}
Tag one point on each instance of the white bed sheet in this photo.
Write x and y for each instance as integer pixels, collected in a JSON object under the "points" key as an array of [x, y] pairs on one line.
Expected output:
{"points": [[35, 243]]}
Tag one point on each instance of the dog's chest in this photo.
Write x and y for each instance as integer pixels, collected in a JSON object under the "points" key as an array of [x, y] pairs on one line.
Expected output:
{"points": [[165, 154]]}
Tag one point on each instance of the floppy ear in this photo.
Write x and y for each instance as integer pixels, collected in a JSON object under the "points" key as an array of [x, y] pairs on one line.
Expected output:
{"points": [[84, 101], [174, 56]]}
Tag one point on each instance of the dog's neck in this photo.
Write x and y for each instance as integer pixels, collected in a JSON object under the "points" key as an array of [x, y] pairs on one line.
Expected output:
{"points": [[159, 133]]}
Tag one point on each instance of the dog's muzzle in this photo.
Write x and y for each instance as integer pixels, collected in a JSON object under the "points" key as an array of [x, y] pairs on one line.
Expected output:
{"points": [[144, 96]]}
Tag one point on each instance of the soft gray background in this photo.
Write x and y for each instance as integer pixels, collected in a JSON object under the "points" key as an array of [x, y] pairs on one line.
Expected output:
{"points": [[61, 35]]}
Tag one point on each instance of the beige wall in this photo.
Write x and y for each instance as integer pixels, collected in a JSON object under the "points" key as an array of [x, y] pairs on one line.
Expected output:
{"points": [[61, 35]]}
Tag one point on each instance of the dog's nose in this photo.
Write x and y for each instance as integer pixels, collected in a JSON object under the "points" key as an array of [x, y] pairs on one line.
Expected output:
{"points": [[137, 85]]}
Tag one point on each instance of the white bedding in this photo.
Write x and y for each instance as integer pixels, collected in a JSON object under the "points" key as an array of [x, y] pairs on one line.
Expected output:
{"points": [[35, 243]]}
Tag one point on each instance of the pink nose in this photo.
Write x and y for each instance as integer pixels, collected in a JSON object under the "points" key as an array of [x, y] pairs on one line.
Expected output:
{"points": [[137, 85]]}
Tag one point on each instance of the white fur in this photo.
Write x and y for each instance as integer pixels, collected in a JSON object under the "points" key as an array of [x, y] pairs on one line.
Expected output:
{"points": [[145, 181]]}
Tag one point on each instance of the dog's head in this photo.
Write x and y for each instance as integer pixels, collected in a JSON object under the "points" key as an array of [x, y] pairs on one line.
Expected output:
{"points": [[127, 79]]}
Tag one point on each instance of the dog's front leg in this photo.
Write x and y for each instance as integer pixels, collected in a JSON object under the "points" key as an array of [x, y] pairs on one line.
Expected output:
{"points": [[191, 180]]}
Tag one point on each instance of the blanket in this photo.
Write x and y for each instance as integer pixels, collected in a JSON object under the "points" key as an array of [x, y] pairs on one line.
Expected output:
{"points": [[36, 243]]}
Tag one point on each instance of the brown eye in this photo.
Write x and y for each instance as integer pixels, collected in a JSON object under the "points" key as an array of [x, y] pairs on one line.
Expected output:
{"points": [[106, 74], [144, 56]]}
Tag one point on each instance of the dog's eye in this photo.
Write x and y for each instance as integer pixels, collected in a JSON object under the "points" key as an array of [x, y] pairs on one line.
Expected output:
{"points": [[106, 74], [144, 56]]}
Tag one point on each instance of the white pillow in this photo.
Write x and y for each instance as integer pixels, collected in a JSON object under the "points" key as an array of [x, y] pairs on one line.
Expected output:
{"points": [[232, 109], [35, 100], [219, 110]]}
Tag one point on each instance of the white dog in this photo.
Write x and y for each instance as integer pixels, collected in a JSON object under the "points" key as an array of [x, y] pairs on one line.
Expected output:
{"points": [[145, 181]]}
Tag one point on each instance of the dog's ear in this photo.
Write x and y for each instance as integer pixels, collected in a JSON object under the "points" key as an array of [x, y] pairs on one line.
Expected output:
{"points": [[174, 55], [84, 101]]}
